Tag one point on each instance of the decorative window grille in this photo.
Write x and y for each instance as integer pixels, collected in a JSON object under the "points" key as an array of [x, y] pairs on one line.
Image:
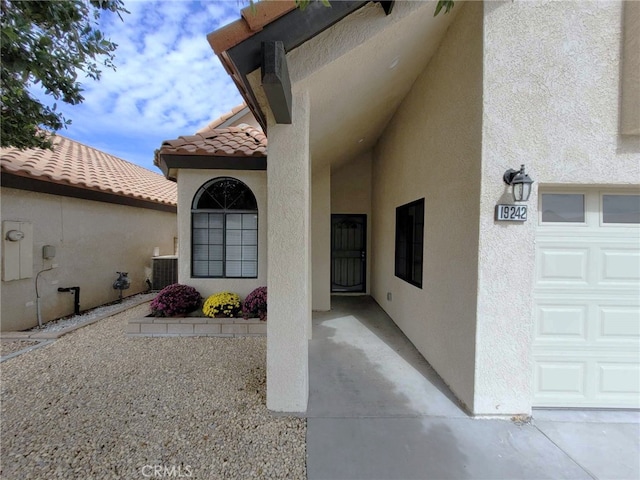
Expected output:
{"points": [[224, 230]]}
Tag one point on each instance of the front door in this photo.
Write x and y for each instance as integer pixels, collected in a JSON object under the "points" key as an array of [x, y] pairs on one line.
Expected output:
{"points": [[348, 253]]}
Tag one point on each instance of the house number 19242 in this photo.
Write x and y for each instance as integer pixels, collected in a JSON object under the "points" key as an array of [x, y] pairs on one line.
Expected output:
{"points": [[511, 213]]}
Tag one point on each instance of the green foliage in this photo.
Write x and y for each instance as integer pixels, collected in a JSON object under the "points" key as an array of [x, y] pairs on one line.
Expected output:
{"points": [[48, 43], [446, 4]]}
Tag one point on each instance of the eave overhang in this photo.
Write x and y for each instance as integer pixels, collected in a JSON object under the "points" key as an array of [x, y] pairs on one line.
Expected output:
{"points": [[293, 28], [169, 163], [65, 189]]}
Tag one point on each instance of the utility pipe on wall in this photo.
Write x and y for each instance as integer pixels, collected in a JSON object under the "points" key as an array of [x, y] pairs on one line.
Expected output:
{"points": [[76, 297], [38, 312]]}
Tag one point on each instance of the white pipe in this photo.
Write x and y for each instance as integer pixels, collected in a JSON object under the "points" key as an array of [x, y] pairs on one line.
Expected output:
{"points": [[38, 313]]}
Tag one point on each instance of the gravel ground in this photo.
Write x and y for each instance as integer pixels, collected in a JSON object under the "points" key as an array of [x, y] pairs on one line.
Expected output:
{"points": [[91, 314], [96, 404], [10, 346]]}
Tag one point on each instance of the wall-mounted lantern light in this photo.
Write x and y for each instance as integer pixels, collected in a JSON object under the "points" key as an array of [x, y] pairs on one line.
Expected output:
{"points": [[520, 182]]}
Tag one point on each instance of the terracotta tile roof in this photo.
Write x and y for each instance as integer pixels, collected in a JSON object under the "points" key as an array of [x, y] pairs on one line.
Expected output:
{"points": [[252, 21], [241, 141], [74, 164], [223, 118]]}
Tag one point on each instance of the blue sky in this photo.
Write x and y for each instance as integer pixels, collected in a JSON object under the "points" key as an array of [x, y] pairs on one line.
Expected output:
{"points": [[168, 81]]}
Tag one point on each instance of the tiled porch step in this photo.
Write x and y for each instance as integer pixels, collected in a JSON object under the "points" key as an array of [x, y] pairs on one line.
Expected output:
{"points": [[196, 327]]}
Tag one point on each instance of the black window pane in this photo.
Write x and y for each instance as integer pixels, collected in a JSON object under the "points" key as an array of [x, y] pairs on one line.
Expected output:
{"points": [[224, 243], [409, 242], [225, 194]]}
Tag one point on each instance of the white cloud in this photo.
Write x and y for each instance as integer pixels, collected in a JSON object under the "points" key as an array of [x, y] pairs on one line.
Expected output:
{"points": [[168, 81]]}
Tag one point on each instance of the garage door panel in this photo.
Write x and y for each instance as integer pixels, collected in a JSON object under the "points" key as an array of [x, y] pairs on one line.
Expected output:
{"points": [[620, 267], [619, 324], [561, 379], [566, 266], [618, 378], [561, 323], [586, 336]]}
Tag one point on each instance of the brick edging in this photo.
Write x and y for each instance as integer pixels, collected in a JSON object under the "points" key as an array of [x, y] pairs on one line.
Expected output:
{"points": [[195, 327]]}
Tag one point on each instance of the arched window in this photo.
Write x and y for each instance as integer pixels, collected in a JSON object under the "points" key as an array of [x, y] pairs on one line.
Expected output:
{"points": [[224, 230]]}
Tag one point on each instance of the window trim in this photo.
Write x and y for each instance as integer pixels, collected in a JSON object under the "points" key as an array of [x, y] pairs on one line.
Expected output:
{"points": [[224, 213], [409, 279]]}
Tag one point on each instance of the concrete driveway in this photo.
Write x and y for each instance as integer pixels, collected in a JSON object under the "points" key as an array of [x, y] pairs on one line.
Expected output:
{"points": [[377, 410]]}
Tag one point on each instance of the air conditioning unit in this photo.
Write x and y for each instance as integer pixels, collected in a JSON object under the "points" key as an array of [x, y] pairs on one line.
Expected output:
{"points": [[164, 271]]}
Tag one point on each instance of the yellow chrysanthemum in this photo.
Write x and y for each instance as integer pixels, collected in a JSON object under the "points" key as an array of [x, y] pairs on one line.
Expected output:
{"points": [[224, 303]]}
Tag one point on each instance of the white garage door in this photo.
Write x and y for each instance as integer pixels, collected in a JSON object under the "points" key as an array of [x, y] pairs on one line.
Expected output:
{"points": [[587, 299]]}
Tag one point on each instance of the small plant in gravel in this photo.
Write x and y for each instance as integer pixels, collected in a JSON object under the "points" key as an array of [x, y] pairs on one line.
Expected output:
{"points": [[176, 299], [255, 305], [222, 304]]}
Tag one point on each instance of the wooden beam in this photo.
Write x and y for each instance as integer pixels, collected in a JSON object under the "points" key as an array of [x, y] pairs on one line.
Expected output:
{"points": [[275, 80], [294, 29]]}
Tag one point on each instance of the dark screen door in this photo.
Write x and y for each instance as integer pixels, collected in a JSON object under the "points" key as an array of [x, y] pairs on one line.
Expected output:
{"points": [[348, 253]]}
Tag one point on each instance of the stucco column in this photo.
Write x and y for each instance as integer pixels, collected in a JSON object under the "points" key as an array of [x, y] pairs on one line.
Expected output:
{"points": [[321, 238], [289, 256]]}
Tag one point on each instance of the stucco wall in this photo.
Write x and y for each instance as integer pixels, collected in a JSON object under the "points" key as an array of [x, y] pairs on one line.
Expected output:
{"points": [[431, 149], [321, 238], [189, 182], [630, 70], [551, 101], [289, 279], [93, 240], [351, 193]]}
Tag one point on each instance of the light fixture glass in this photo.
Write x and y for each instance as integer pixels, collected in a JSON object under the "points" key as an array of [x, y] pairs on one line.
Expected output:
{"points": [[520, 182]]}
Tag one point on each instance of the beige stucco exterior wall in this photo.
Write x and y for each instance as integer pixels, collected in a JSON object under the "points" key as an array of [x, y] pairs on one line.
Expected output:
{"points": [[432, 149], [93, 241], [321, 238], [630, 70], [551, 99], [351, 193], [289, 279], [189, 182]]}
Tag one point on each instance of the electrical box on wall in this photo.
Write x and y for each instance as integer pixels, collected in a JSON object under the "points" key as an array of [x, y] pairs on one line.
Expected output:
{"points": [[48, 252], [17, 250]]}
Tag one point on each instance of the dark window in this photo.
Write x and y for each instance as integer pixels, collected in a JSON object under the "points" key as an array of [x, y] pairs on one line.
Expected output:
{"points": [[224, 230], [409, 241], [563, 207], [621, 208]]}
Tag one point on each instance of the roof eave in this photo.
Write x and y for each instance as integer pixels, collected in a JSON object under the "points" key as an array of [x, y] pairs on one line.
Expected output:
{"points": [[239, 48], [170, 163], [43, 184]]}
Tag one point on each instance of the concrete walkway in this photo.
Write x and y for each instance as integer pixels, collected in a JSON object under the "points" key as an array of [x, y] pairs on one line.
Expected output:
{"points": [[378, 411]]}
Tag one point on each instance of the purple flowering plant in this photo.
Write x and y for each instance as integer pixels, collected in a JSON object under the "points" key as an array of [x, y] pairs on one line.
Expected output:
{"points": [[255, 305], [176, 299]]}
